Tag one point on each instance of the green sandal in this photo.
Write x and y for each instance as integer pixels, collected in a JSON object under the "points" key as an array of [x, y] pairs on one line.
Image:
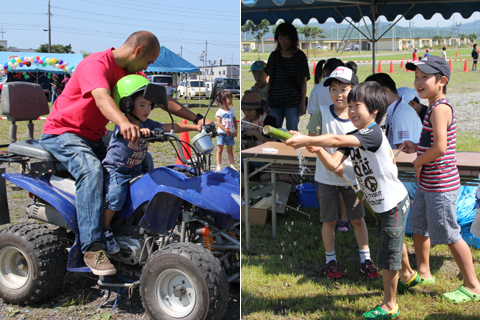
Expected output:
{"points": [[379, 313], [427, 281], [403, 286], [461, 295]]}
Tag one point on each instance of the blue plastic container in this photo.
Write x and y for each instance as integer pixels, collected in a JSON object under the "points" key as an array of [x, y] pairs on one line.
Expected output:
{"points": [[307, 195]]}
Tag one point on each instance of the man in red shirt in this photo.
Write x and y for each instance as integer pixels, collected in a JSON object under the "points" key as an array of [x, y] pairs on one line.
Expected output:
{"points": [[75, 132]]}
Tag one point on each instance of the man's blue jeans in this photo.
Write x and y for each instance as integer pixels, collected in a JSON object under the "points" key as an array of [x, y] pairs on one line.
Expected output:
{"points": [[82, 158]]}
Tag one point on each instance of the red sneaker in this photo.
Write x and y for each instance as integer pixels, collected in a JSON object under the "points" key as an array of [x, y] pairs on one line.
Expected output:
{"points": [[331, 270], [369, 269]]}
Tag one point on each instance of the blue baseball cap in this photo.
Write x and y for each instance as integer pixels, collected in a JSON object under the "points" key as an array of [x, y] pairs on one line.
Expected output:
{"points": [[258, 66]]}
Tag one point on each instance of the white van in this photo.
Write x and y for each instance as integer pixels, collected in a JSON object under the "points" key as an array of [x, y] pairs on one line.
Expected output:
{"points": [[193, 88]]}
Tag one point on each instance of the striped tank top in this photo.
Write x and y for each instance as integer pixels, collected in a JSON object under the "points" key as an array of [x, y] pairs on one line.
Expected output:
{"points": [[440, 175]]}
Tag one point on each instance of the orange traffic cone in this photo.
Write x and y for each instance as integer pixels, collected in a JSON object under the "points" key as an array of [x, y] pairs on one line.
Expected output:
{"points": [[456, 54], [401, 64], [391, 67], [379, 66], [450, 64], [314, 66], [465, 67], [186, 148]]}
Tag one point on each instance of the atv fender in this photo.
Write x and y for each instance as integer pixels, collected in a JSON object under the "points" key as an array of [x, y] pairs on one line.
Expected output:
{"points": [[63, 202]]}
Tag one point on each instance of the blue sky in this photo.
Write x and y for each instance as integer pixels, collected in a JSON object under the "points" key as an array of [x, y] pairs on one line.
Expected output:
{"points": [[95, 25]]}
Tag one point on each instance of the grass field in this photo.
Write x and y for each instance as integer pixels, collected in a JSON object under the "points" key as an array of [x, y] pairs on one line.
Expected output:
{"points": [[283, 278]]}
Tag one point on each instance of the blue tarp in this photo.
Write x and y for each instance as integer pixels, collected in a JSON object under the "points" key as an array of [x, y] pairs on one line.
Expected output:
{"points": [[71, 58], [169, 62]]}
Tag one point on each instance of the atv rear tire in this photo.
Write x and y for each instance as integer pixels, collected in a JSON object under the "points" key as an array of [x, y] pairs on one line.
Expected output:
{"points": [[32, 263], [184, 281]]}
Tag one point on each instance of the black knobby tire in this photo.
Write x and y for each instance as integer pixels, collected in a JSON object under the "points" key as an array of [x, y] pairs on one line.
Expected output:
{"points": [[32, 263], [184, 271]]}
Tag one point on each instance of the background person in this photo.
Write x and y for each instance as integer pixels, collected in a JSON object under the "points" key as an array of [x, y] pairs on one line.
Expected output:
{"points": [[227, 128], [474, 57], [287, 67], [261, 84]]}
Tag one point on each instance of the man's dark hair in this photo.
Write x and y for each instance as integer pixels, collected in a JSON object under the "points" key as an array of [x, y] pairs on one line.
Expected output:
{"points": [[145, 39], [371, 93], [384, 80], [289, 30]]}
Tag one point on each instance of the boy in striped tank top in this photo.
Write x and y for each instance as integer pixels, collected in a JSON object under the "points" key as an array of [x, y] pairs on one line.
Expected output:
{"points": [[433, 218]]}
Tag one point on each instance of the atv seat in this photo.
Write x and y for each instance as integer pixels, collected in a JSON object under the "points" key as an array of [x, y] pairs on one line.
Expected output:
{"points": [[31, 149]]}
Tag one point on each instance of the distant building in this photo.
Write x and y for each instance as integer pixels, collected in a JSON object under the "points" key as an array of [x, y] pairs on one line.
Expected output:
{"points": [[212, 72]]}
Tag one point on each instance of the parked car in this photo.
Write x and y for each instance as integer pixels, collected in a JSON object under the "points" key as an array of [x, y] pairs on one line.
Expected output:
{"points": [[163, 79], [193, 88], [231, 85]]}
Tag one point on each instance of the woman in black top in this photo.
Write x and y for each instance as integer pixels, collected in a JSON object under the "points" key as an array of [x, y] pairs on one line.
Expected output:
{"points": [[288, 70]]}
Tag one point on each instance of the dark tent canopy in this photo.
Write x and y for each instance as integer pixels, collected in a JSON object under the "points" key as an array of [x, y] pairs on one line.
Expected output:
{"points": [[356, 10], [353, 11], [169, 62]]}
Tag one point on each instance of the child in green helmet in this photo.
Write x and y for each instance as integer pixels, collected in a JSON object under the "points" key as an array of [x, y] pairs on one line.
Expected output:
{"points": [[124, 158]]}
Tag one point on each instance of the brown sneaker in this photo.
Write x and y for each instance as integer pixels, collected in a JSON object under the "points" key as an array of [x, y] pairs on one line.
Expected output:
{"points": [[99, 263]]}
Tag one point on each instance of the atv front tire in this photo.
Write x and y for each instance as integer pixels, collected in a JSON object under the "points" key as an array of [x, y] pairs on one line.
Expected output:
{"points": [[184, 281], [32, 263]]}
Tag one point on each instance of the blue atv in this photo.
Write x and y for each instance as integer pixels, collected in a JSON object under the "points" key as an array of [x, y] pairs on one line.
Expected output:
{"points": [[178, 231]]}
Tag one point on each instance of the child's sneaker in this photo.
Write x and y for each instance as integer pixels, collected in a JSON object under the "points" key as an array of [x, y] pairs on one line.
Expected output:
{"points": [[219, 168], [233, 167], [112, 245], [331, 270], [369, 269]]}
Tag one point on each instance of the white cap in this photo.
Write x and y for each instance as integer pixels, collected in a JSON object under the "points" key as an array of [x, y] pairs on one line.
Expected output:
{"points": [[408, 93]]}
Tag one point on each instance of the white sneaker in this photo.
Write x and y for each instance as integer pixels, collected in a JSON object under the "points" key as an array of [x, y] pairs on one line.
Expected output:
{"points": [[219, 168], [233, 167], [112, 245]]}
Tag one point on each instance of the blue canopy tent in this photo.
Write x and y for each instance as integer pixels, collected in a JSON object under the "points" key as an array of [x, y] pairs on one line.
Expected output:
{"points": [[353, 11], [169, 62]]}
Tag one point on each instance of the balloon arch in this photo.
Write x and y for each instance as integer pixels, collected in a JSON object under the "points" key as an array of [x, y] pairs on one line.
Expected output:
{"points": [[17, 62]]}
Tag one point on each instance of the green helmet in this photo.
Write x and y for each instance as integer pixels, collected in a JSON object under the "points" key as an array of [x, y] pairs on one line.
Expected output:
{"points": [[126, 87]]}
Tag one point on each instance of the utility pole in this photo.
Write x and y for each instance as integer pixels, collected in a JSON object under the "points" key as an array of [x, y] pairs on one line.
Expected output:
{"points": [[181, 51], [2, 32], [205, 63], [49, 30]]}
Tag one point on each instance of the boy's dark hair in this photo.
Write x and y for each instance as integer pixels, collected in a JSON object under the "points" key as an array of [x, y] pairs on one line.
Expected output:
{"points": [[352, 65], [444, 48], [371, 93], [289, 30], [326, 66], [221, 96], [384, 80]]}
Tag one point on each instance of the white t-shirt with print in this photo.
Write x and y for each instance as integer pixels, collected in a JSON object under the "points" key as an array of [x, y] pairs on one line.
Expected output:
{"points": [[227, 119], [376, 170]]}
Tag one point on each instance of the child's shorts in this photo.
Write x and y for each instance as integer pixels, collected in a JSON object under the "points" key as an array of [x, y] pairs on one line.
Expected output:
{"points": [[434, 215], [329, 202], [116, 185], [225, 140], [392, 235]]}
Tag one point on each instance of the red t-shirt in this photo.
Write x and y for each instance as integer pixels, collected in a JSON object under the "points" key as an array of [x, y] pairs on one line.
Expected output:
{"points": [[75, 110]]}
